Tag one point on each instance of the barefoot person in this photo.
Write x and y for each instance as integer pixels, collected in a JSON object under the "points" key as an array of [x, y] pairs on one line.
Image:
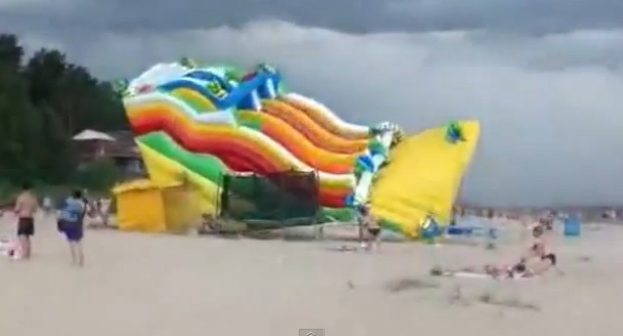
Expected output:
{"points": [[371, 227], [26, 207], [71, 224]]}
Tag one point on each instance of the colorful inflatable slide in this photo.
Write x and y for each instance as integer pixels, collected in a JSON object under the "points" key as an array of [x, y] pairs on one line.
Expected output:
{"points": [[199, 122]]}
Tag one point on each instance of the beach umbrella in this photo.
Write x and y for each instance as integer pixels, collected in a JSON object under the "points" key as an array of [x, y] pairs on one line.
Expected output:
{"points": [[90, 135]]}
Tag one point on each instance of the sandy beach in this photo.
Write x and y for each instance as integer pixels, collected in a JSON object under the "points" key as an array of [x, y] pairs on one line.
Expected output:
{"points": [[137, 284]]}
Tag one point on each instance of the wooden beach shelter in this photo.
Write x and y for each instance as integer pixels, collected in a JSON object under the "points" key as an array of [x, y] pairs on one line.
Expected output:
{"points": [[147, 207]]}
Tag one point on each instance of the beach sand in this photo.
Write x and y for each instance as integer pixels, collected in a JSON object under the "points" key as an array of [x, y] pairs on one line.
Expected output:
{"points": [[138, 284]]}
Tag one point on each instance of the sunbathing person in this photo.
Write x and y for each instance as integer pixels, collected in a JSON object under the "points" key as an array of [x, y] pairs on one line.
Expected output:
{"points": [[504, 271], [492, 270], [546, 263], [10, 248]]}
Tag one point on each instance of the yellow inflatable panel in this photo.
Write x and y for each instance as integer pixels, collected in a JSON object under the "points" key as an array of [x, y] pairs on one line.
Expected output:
{"points": [[164, 171], [422, 177]]}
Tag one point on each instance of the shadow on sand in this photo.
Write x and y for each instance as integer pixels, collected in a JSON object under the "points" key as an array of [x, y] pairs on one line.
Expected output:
{"points": [[402, 285]]}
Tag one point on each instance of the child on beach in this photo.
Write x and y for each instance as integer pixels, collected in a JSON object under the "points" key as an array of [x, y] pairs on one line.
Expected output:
{"points": [[71, 224], [10, 248]]}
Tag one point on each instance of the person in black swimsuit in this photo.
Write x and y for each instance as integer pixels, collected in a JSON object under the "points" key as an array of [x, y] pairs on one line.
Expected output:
{"points": [[370, 224], [26, 207], [374, 232]]}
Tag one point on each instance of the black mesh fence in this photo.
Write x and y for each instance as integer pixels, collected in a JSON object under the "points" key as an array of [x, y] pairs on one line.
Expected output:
{"points": [[276, 199]]}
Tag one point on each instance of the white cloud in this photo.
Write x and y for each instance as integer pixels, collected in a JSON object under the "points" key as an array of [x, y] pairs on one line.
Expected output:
{"points": [[550, 109]]}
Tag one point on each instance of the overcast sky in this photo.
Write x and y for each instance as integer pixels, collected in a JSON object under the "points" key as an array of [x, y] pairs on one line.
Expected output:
{"points": [[545, 77]]}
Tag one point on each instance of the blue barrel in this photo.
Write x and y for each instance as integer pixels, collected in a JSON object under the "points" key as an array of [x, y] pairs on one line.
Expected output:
{"points": [[572, 227]]}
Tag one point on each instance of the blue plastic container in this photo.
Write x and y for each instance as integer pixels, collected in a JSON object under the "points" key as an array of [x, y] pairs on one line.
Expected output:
{"points": [[572, 227]]}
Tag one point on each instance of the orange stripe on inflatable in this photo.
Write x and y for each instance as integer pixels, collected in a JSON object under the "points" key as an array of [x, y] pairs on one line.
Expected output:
{"points": [[321, 119], [313, 131], [297, 144]]}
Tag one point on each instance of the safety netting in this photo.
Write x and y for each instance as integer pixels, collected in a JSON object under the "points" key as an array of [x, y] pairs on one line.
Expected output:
{"points": [[276, 199]]}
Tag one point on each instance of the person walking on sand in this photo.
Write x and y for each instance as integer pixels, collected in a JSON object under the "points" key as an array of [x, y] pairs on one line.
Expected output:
{"points": [[372, 228], [71, 224], [26, 207]]}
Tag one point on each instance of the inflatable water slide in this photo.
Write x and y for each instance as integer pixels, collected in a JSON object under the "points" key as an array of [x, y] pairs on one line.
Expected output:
{"points": [[199, 122]]}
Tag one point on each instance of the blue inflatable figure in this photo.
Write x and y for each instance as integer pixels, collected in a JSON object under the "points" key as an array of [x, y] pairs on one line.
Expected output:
{"points": [[430, 229], [365, 162], [349, 200], [454, 133]]}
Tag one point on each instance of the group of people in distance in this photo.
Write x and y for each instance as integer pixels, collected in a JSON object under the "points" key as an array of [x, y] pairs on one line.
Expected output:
{"points": [[70, 223]]}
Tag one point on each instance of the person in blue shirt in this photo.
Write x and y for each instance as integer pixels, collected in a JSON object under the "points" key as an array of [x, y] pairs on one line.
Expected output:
{"points": [[71, 224]]}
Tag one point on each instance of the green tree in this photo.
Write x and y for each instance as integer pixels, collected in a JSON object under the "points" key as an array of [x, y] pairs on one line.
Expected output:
{"points": [[44, 101]]}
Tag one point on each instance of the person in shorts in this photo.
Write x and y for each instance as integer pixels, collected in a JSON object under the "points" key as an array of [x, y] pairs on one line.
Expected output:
{"points": [[371, 226], [71, 224], [26, 207]]}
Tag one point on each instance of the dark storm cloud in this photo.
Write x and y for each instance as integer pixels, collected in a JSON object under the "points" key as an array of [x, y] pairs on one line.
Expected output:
{"points": [[519, 16], [528, 16]]}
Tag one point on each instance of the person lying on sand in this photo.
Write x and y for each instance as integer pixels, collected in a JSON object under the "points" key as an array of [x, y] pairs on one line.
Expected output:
{"points": [[547, 262], [503, 271], [492, 270]]}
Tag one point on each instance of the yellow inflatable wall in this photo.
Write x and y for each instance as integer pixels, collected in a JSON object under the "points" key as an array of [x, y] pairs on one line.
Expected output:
{"points": [[164, 172], [423, 177]]}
